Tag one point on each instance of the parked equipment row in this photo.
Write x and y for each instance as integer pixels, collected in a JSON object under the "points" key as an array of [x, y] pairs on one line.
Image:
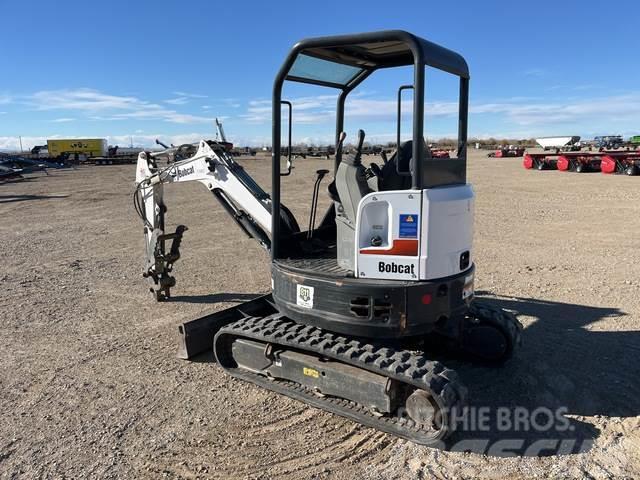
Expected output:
{"points": [[627, 162]]}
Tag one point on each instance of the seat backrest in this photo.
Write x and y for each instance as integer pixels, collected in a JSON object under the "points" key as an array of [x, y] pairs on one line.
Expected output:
{"points": [[390, 178], [351, 185]]}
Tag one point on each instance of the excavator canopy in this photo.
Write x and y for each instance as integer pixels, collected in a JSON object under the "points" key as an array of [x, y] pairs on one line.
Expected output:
{"points": [[343, 62]]}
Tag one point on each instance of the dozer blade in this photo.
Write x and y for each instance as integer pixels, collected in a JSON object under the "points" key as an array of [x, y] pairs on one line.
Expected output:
{"points": [[196, 336]]}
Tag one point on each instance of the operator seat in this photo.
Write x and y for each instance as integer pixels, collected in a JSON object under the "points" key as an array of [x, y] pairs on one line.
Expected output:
{"points": [[390, 179], [350, 186]]}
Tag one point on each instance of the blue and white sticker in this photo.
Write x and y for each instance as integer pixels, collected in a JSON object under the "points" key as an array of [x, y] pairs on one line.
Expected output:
{"points": [[408, 225]]}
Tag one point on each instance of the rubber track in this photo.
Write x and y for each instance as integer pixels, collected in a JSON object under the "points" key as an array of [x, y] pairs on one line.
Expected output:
{"points": [[402, 365]]}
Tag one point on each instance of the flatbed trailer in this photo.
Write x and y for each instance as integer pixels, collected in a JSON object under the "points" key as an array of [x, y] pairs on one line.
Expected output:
{"points": [[114, 160], [607, 161]]}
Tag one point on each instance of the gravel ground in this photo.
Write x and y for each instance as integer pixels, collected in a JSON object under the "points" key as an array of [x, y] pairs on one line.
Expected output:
{"points": [[91, 387]]}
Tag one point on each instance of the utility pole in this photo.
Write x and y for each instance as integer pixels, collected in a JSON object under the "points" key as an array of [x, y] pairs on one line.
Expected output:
{"points": [[20, 138]]}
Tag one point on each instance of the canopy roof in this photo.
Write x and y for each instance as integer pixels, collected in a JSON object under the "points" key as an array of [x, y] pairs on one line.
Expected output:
{"points": [[339, 61]]}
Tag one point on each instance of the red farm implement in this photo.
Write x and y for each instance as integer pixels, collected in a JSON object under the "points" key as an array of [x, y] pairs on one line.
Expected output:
{"points": [[627, 162], [507, 153]]}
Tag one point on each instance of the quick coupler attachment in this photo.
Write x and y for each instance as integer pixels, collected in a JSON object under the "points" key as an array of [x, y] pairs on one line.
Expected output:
{"points": [[160, 262]]}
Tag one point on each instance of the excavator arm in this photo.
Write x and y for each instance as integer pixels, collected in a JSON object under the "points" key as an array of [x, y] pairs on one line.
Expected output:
{"points": [[230, 184]]}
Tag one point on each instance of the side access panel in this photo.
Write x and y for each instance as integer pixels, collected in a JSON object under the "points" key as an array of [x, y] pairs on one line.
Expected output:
{"points": [[447, 231]]}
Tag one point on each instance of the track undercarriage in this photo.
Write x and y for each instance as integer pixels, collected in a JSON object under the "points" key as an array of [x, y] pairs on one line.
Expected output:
{"points": [[397, 389]]}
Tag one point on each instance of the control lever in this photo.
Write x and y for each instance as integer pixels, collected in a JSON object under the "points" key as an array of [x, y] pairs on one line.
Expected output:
{"points": [[373, 171], [359, 148], [158, 142], [314, 202]]}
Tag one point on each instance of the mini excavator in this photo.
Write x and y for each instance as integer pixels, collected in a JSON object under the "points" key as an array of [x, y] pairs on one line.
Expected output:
{"points": [[358, 301]]}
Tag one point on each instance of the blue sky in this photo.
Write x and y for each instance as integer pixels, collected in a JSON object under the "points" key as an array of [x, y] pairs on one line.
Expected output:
{"points": [[142, 69]]}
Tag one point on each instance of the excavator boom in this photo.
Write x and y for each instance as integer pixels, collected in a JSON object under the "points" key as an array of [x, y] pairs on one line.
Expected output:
{"points": [[245, 201]]}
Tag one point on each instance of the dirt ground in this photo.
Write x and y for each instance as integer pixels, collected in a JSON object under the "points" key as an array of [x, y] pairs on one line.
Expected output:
{"points": [[90, 386]]}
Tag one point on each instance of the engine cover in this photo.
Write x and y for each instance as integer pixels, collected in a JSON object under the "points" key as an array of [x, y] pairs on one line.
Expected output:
{"points": [[415, 235]]}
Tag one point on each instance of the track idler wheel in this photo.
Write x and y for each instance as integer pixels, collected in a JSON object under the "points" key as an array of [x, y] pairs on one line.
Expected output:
{"points": [[423, 410], [490, 334]]}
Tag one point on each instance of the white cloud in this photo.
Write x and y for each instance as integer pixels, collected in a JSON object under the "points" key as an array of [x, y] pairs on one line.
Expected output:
{"points": [[102, 118], [228, 102], [13, 143], [601, 110], [149, 141], [535, 72], [160, 114], [388, 109], [315, 110], [507, 117], [102, 107], [177, 101], [574, 88], [5, 99], [190, 95], [522, 116], [259, 111], [82, 99], [222, 103], [321, 109]]}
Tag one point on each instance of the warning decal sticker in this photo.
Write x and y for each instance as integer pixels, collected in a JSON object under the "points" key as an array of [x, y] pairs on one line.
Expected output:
{"points": [[408, 226]]}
